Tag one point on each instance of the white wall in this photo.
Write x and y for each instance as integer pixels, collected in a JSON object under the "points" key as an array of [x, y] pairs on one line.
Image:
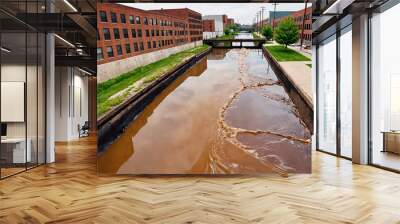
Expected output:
{"points": [[115, 68], [218, 22], [71, 95]]}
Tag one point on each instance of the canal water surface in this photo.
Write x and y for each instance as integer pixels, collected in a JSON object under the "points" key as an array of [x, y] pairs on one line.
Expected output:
{"points": [[228, 114]]}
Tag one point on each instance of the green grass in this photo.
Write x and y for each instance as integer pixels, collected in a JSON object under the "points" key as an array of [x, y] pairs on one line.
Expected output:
{"points": [[149, 73], [280, 53], [226, 37]]}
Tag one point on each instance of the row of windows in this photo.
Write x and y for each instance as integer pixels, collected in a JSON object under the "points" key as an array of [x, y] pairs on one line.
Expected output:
{"points": [[138, 33], [137, 47], [196, 38], [137, 20], [307, 37], [306, 26]]}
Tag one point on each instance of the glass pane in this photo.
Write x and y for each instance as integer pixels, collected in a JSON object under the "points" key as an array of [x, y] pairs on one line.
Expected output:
{"points": [[385, 83], [346, 92], [41, 98], [327, 95], [31, 99], [13, 87]]}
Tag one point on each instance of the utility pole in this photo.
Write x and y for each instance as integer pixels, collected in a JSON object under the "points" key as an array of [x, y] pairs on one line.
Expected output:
{"points": [[262, 16], [302, 27], [273, 21]]}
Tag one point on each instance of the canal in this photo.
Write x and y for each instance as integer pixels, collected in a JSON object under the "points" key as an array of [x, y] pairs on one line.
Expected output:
{"points": [[229, 113]]}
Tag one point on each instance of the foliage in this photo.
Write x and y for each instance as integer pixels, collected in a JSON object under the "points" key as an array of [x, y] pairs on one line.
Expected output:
{"points": [[287, 32], [232, 29], [266, 31]]}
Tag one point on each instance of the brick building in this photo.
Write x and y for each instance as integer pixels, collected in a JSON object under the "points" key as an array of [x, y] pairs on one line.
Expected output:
{"points": [[214, 25], [193, 18], [125, 32], [208, 25], [230, 21], [298, 18]]}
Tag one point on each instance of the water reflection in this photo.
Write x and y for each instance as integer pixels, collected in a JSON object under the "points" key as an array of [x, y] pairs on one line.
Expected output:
{"points": [[222, 116]]}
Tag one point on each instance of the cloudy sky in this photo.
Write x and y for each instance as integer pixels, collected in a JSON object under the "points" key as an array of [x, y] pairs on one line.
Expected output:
{"points": [[243, 13]]}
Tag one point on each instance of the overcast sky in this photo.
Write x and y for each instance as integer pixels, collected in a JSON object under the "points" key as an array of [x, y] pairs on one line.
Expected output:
{"points": [[243, 13]]}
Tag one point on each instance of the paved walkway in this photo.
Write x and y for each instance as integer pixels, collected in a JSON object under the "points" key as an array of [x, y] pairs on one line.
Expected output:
{"points": [[300, 74]]}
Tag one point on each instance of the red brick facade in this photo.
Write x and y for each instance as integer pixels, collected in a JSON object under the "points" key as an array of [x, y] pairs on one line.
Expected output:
{"points": [[125, 31], [193, 18], [298, 18], [231, 21], [208, 25]]}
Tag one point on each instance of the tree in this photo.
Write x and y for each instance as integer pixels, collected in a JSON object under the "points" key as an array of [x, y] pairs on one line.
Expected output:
{"points": [[266, 31], [227, 31], [287, 32]]}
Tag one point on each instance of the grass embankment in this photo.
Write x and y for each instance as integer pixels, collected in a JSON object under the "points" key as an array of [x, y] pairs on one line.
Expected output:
{"points": [[114, 91], [227, 36], [281, 53]]}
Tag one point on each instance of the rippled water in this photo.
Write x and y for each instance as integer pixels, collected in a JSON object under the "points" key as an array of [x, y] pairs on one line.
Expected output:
{"points": [[228, 114]]}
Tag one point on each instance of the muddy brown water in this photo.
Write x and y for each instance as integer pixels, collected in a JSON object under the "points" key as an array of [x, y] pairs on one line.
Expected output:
{"points": [[228, 114]]}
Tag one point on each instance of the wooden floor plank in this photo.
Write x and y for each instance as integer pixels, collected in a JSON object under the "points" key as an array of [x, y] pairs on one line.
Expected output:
{"points": [[70, 191]]}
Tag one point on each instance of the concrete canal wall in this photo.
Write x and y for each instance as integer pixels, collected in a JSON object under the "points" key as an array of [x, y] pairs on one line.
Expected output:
{"points": [[298, 90], [114, 122]]}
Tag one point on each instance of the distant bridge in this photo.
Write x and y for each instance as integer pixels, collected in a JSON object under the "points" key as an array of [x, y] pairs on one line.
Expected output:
{"points": [[235, 43]]}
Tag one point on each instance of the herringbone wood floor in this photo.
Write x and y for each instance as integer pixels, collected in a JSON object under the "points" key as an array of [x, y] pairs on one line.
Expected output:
{"points": [[69, 191]]}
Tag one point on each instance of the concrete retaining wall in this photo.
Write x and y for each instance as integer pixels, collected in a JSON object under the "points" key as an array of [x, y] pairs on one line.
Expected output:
{"points": [[304, 106], [113, 69]]}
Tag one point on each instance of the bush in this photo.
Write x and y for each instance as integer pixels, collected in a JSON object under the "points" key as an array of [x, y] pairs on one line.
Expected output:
{"points": [[266, 31], [287, 32]]}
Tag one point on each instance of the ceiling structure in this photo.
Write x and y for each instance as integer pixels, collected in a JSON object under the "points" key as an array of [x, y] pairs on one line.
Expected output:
{"points": [[73, 22]]}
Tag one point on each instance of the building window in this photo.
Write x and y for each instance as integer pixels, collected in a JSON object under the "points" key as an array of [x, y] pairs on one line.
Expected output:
{"points": [[119, 50], [133, 31], [158, 33], [154, 44], [139, 32], [128, 48], [113, 17], [123, 18], [141, 46], [132, 19], [116, 33], [149, 45], [152, 33], [146, 22], [110, 52], [147, 33], [125, 32], [156, 21], [99, 54], [151, 21], [385, 89], [106, 33], [327, 95], [103, 16], [137, 20], [345, 94], [135, 46]]}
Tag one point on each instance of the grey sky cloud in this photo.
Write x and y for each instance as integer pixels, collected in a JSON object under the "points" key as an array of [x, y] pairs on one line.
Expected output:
{"points": [[243, 13]]}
